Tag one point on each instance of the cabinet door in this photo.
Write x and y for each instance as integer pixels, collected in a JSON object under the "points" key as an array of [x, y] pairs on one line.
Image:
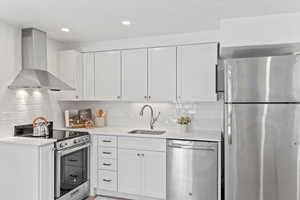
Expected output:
{"points": [[108, 75], [196, 75], [162, 74], [134, 75], [129, 171], [46, 157], [70, 71], [154, 174], [88, 75]]}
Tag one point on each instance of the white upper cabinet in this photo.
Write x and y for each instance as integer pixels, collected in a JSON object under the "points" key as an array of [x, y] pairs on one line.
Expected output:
{"points": [[88, 61], [70, 71], [108, 75], [196, 72], [162, 74], [134, 75]]}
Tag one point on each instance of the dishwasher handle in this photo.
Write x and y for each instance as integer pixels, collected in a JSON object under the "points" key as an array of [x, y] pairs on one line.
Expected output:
{"points": [[201, 148]]}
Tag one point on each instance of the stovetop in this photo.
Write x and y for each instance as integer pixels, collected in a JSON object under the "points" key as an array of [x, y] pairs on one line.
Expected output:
{"points": [[60, 135]]}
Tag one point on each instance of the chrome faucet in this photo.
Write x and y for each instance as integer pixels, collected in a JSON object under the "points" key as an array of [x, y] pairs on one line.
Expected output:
{"points": [[153, 119]]}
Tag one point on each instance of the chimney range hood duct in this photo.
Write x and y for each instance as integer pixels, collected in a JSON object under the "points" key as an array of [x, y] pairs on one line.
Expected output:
{"points": [[34, 72]]}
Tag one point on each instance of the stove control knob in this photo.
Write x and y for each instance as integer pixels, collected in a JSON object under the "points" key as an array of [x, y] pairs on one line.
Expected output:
{"points": [[75, 141], [61, 145]]}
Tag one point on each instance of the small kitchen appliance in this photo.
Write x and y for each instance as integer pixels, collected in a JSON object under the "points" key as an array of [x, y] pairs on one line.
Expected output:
{"points": [[40, 127]]}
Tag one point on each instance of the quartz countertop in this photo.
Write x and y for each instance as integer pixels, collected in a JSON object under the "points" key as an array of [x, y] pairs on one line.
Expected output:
{"points": [[27, 141], [204, 135]]}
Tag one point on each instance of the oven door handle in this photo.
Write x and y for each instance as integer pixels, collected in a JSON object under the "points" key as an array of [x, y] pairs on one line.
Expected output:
{"points": [[71, 150], [57, 174], [59, 154]]}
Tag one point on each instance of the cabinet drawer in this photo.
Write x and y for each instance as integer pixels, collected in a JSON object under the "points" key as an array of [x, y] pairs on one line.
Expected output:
{"points": [[107, 180], [107, 152], [107, 141], [148, 144], [107, 164]]}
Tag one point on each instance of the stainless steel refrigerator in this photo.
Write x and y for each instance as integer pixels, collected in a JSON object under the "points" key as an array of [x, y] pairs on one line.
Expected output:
{"points": [[262, 128]]}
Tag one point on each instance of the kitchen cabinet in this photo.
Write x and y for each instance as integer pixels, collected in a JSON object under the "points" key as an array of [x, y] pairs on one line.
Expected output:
{"points": [[158, 74], [196, 72], [70, 71], [107, 163], [154, 173], [108, 75], [27, 171], [162, 74], [142, 172], [129, 171], [88, 73], [134, 75]]}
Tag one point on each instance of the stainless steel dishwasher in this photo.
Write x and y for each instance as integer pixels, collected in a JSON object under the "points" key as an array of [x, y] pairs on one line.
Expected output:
{"points": [[192, 170]]}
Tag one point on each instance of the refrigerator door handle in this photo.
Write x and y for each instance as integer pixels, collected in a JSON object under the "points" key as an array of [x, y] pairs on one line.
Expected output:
{"points": [[229, 125]]}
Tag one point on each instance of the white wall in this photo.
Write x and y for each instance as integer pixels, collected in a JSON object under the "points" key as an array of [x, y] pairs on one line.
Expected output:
{"points": [[151, 41], [270, 29], [22, 106]]}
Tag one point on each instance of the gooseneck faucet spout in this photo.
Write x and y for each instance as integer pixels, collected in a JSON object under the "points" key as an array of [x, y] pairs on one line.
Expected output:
{"points": [[153, 119]]}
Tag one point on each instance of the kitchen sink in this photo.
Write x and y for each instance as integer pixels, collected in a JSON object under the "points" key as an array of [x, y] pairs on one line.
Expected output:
{"points": [[149, 132]]}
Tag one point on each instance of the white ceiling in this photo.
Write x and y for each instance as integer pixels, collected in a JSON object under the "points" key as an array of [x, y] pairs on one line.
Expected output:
{"points": [[91, 20]]}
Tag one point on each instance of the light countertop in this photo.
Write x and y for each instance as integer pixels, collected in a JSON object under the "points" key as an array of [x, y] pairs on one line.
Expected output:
{"points": [[205, 135], [27, 141]]}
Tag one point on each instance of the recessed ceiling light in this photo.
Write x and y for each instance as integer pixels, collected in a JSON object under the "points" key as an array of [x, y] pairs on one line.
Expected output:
{"points": [[126, 23], [65, 30]]}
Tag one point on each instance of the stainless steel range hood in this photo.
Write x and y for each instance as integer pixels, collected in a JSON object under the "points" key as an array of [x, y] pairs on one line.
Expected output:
{"points": [[34, 72]]}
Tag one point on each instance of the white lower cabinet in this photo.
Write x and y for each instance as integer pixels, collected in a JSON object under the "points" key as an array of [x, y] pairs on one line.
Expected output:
{"points": [[129, 171], [154, 173], [131, 167], [142, 172], [108, 180], [26, 171], [107, 163]]}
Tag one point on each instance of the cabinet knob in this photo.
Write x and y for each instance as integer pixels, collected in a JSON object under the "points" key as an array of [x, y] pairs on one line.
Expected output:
{"points": [[145, 97], [118, 97], [138, 154], [149, 97]]}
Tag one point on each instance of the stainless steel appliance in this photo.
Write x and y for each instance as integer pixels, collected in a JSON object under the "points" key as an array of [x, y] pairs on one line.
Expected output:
{"points": [[72, 166], [72, 154], [192, 170], [262, 115], [34, 72]]}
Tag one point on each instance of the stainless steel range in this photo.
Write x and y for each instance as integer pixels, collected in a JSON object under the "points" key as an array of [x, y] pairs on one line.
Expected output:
{"points": [[72, 165], [72, 154]]}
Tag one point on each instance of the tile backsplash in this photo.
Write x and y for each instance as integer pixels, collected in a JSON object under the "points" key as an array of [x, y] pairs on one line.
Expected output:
{"points": [[126, 114], [22, 106]]}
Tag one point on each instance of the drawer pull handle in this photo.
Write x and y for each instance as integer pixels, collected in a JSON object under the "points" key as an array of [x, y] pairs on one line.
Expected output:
{"points": [[106, 164], [107, 180], [106, 152], [106, 140]]}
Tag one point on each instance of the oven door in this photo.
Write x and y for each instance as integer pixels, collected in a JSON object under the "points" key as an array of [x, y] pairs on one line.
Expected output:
{"points": [[72, 171]]}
